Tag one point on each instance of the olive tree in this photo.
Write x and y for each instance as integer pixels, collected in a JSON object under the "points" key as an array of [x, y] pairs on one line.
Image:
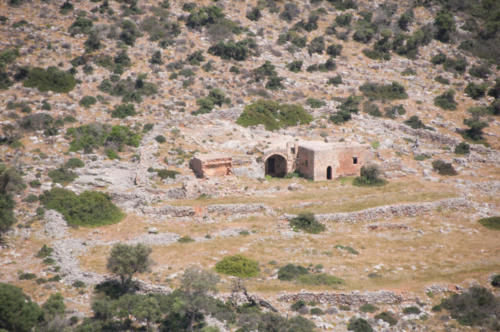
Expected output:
{"points": [[126, 260]]}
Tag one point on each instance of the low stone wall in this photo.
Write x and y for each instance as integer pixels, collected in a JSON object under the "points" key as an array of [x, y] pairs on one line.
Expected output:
{"points": [[352, 298], [391, 211]]}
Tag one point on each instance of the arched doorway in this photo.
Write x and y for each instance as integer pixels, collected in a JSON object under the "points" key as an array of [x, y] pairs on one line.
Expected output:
{"points": [[276, 166], [329, 173]]}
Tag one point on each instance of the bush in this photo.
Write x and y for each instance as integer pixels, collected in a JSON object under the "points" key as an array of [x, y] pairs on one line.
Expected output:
{"points": [[203, 16], [50, 79], [37, 121], [123, 110], [368, 308], [442, 80], [495, 282], [443, 168], [291, 272], [91, 208], [319, 279], [359, 325], [166, 173], [349, 105], [343, 20], [462, 148], [491, 222], [371, 109], [393, 112], [334, 50], [92, 136], [215, 97], [411, 310], [381, 91], [160, 139], [273, 115], [185, 239], [299, 306], [308, 223], [17, 311], [315, 103], [438, 59], [238, 51], [480, 71], [295, 66], [74, 163], [238, 266], [387, 317], [254, 14], [445, 26], [62, 175], [446, 100], [415, 123], [475, 91], [457, 65], [370, 176], [44, 252], [316, 311], [336, 80], [475, 307], [475, 130], [317, 45]]}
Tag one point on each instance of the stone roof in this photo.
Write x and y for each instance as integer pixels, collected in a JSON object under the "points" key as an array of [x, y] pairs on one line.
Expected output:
{"points": [[212, 156], [322, 146]]}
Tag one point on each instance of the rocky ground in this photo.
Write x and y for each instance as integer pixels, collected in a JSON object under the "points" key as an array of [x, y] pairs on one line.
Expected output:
{"points": [[417, 238]]}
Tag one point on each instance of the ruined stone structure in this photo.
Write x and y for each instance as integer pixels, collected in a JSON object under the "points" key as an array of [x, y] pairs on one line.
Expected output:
{"points": [[317, 160], [209, 165]]}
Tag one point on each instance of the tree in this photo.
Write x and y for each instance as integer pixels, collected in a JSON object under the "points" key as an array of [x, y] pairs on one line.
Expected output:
{"points": [[126, 260], [475, 130], [17, 312], [196, 285], [445, 26]]}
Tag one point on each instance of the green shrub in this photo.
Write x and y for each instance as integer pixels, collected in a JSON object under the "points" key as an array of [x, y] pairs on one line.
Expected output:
{"points": [[368, 308], [185, 239], [123, 110], [475, 307], [370, 176], [319, 279], [371, 109], [315, 103], [203, 16], [215, 97], [62, 175], [254, 14], [35, 184], [393, 112], [336, 80], [475, 130], [74, 163], [334, 50], [359, 325], [443, 168], [343, 20], [317, 45], [92, 136], [238, 266], [26, 276], [475, 91], [273, 115], [91, 208], [347, 248], [316, 311], [462, 148], [291, 272], [17, 311], [238, 51], [458, 65], [50, 79], [421, 156], [78, 284], [491, 222], [442, 80], [328, 65], [308, 223], [415, 123], [387, 317], [412, 310], [446, 100], [295, 66], [299, 305], [495, 281], [130, 90], [347, 107], [381, 91], [160, 139], [445, 26], [166, 173], [480, 71], [81, 25], [45, 251]]}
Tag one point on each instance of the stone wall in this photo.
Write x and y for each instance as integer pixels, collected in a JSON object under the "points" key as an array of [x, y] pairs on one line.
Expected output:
{"points": [[350, 299]]}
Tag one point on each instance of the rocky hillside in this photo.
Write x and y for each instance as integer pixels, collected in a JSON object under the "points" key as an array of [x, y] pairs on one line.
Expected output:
{"points": [[104, 102]]}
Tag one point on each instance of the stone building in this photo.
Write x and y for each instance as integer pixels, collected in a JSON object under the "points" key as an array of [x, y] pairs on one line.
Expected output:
{"points": [[209, 165], [317, 160]]}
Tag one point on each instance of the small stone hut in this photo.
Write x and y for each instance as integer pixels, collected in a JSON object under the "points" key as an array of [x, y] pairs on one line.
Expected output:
{"points": [[210, 165], [317, 160]]}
